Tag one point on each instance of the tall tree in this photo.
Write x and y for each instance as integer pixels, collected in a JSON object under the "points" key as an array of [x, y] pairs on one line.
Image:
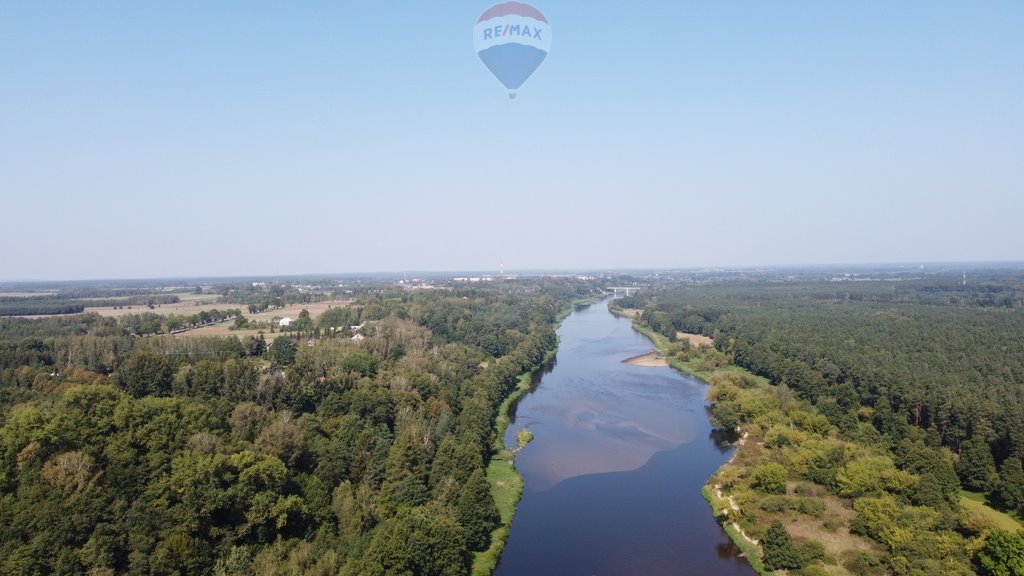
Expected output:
{"points": [[146, 374], [477, 511], [977, 468], [417, 541], [283, 350], [779, 552], [1009, 490], [1003, 554]]}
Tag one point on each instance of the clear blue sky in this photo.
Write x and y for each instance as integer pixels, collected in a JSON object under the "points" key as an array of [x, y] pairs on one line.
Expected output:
{"points": [[142, 139]]}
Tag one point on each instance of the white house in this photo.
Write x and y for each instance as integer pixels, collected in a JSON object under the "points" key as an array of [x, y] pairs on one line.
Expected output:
{"points": [[286, 321], [359, 337]]}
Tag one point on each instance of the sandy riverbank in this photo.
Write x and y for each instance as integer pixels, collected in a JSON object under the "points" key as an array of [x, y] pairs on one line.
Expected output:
{"points": [[651, 359]]}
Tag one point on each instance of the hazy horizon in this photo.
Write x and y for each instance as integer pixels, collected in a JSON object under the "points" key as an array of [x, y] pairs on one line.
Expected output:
{"points": [[836, 267], [242, 139]]}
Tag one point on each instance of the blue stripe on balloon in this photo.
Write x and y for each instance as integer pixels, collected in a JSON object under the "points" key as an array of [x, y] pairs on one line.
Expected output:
{"points": [[512, 63]]}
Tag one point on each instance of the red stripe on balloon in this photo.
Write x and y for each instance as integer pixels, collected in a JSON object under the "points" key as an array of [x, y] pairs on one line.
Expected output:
{"points": [[512, 8]]}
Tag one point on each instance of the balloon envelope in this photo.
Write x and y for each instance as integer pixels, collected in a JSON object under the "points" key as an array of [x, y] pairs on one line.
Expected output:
{"points": [[512, 39]]}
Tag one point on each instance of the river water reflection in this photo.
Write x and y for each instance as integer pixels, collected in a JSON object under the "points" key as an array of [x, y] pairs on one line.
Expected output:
{"points": [[614, 472]]}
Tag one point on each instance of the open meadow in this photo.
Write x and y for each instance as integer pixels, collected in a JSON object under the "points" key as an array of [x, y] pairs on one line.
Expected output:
{"points": [[190, 304], [292, 311]]}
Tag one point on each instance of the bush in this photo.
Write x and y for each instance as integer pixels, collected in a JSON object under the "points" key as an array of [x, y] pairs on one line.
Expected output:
{"points": [[832, 523], [770, 478], [809, 506], [809, 551], [805, 489], [862, 564], [775, 504]]}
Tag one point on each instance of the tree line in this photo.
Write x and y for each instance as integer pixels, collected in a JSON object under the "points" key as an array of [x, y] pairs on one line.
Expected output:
{"points": [[48, 305], [122, 455]]}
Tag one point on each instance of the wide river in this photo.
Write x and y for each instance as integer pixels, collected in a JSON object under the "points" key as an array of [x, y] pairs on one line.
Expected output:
{"points": [[614, 473]]}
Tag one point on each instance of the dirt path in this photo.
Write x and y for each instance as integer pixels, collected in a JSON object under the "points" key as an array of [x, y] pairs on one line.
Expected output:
{"points": [[733, 506]]}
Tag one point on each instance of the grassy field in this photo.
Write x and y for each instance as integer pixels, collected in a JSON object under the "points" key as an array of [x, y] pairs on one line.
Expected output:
{"points": [[195, 303], [190, 304], [974, 503], [224, 328], [28, 294], [187, 307], [630, 313]]}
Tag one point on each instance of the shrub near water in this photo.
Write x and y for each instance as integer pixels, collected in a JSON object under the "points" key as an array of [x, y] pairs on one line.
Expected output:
{"points": [[771, 478]]}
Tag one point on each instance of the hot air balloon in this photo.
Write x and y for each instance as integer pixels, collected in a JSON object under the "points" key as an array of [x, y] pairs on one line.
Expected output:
{"points": [[512, 39]]}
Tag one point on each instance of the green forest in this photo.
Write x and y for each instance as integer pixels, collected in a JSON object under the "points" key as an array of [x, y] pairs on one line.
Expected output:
{"points": [[308, 454], [868, 414]]}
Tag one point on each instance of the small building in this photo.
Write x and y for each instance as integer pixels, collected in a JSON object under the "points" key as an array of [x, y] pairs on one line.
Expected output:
{"points": [[284, 322], [359, 337]]}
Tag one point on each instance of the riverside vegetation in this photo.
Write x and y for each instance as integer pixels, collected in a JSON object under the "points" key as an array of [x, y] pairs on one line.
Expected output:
{"points": [[880, 423], [316, 454]]}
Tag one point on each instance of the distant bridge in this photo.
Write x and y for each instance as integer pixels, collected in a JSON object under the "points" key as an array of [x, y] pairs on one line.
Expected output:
{"points": [[626, 289]]}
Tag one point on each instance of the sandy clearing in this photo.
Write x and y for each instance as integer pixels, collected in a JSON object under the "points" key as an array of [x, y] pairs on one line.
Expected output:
{"points": [[180, 308], [837, 542], [696, 340]]}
